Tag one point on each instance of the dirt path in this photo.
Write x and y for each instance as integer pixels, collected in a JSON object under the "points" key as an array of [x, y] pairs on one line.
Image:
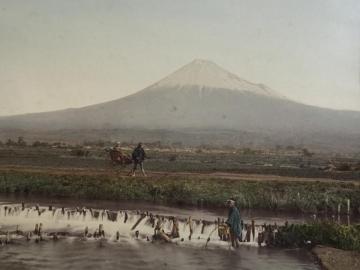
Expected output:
{"points": [[249, 177], [124, 172], [337, 259]]}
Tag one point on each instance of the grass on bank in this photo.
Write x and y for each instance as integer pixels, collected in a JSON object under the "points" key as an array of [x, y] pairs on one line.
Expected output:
{"points": [[306, 196], [320, 233]]}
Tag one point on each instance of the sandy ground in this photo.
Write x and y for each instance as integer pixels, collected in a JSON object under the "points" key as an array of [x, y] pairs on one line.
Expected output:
{"points": [[337, 259]]}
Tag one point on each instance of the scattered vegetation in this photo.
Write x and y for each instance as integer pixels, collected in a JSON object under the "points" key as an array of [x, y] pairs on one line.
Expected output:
{"points": [[319, 233], [40, 144], [78, 152], [307, 153], [173, 158]]}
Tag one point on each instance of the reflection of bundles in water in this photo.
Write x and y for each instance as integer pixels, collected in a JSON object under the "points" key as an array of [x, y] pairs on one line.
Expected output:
{"points": [[107, 224], [175, 228], [224, 232]]}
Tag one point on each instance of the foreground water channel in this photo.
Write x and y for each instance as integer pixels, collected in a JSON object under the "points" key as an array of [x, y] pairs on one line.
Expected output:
{"points": [[121, 248]]}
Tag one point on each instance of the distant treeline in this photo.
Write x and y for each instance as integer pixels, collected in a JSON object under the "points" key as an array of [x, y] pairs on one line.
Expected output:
{"points": [[21, 142]]}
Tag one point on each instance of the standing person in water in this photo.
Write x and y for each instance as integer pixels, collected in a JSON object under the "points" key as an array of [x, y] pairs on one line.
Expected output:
{"points": [[233, 222], [138, 157]]}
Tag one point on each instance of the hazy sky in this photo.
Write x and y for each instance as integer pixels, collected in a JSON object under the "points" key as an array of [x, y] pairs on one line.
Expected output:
{"points": [[71, 53]]}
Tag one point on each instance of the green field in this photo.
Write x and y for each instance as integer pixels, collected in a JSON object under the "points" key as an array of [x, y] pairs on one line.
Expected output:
{"points": [[300, 196]]}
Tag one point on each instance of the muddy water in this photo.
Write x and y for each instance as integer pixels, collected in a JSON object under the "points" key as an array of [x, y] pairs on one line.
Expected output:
{"points": [[92, 255], [131, 253]]}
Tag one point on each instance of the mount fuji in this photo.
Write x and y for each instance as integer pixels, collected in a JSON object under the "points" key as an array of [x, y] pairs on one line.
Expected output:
{"points": [[202, 96]]}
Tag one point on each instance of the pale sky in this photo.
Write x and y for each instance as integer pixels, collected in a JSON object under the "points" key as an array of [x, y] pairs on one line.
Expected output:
{"points": [[56, 54]]}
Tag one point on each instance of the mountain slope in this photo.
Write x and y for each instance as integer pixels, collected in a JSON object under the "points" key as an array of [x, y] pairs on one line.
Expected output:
{"points": [[200, 95]]}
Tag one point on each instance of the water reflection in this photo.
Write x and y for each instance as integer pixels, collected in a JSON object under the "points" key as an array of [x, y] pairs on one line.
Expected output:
{"points": [[91, 255]]}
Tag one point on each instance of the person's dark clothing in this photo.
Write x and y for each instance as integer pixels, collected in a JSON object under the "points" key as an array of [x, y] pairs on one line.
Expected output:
{"points": [[138, 155], [234, 221]]}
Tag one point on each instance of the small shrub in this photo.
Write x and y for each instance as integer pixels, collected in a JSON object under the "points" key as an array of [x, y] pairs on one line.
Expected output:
{"points": [[173, 158]]}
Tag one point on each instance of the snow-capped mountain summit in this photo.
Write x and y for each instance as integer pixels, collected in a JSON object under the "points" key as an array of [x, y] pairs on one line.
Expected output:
{"points": [[200, 96], [204, 73]]}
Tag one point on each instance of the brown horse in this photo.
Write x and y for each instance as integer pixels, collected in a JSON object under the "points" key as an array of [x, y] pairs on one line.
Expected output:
{"points": [[118, 158]]}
